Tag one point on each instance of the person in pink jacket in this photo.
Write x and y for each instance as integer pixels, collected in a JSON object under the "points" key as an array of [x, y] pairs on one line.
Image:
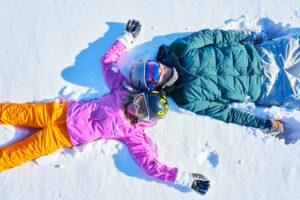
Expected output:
{"points": [[120, 115]]}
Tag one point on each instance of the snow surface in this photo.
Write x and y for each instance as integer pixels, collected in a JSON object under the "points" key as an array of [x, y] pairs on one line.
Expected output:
{"points": [[51, 48]]}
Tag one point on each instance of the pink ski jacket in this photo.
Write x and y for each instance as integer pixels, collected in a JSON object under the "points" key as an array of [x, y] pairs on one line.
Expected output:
{"points": [[103, 118]]}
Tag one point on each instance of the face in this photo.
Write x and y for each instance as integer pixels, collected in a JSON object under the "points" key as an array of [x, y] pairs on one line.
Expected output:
{"points": [[133, 109], [165, 75]]}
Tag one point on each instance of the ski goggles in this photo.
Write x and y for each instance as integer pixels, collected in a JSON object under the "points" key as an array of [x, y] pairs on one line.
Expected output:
{"points": [[141, 107], [150, 106], [152, 73]]}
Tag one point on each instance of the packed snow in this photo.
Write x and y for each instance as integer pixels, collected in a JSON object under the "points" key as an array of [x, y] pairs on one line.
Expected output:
{"points": [[51, 49]]}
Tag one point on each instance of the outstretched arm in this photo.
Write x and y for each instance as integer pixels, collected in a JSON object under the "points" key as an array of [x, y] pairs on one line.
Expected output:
{"points": [[272, 127], [110, 69], [142, 151], [227, 114]]}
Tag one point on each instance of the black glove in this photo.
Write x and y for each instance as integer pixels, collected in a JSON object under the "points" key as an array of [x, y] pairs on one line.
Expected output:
{"points": [[134, 27], [200, 183]]}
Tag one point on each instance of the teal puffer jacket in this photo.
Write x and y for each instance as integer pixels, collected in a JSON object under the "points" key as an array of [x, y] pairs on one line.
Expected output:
{"points": [[216, 68]]}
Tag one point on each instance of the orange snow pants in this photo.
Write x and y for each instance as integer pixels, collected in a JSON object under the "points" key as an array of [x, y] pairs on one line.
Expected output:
{"points": [[52, 135]]}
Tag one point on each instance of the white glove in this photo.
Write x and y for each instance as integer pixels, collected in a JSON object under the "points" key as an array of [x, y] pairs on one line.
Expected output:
{"points": [[127, 39], [197, 182], [132, 30]]}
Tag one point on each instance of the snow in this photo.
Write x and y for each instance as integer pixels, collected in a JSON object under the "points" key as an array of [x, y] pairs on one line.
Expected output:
{"points": [[51, 49]]}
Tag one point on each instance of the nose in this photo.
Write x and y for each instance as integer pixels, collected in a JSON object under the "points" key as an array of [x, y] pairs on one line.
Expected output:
{"points": [[161, 71]]}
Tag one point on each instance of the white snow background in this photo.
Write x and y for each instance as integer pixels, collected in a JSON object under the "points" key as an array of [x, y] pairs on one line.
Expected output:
{"points": [[51, 49]]}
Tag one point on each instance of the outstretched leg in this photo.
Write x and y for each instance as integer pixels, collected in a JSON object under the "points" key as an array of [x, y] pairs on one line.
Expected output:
{"points": [[281, 60], [289, 47], [36, 115], [36, 145]]}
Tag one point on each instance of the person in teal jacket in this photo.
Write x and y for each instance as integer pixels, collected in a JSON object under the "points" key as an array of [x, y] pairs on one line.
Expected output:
{"points": [[208, 70]]}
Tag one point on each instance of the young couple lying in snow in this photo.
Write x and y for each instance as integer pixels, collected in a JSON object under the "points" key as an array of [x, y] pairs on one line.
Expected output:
{"points": [[203, 72]]}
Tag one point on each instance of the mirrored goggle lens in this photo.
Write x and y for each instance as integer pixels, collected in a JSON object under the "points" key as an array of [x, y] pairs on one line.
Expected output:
{"points": [[152, 72], [141, 107]]}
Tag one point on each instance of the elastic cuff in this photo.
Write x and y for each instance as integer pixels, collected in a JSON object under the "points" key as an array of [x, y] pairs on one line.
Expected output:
{"points": [[127, 39], [268, 124], [184, 178]]}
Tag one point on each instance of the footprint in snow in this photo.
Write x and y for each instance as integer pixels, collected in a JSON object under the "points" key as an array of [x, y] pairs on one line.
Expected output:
{"points": [[208, 157]]}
